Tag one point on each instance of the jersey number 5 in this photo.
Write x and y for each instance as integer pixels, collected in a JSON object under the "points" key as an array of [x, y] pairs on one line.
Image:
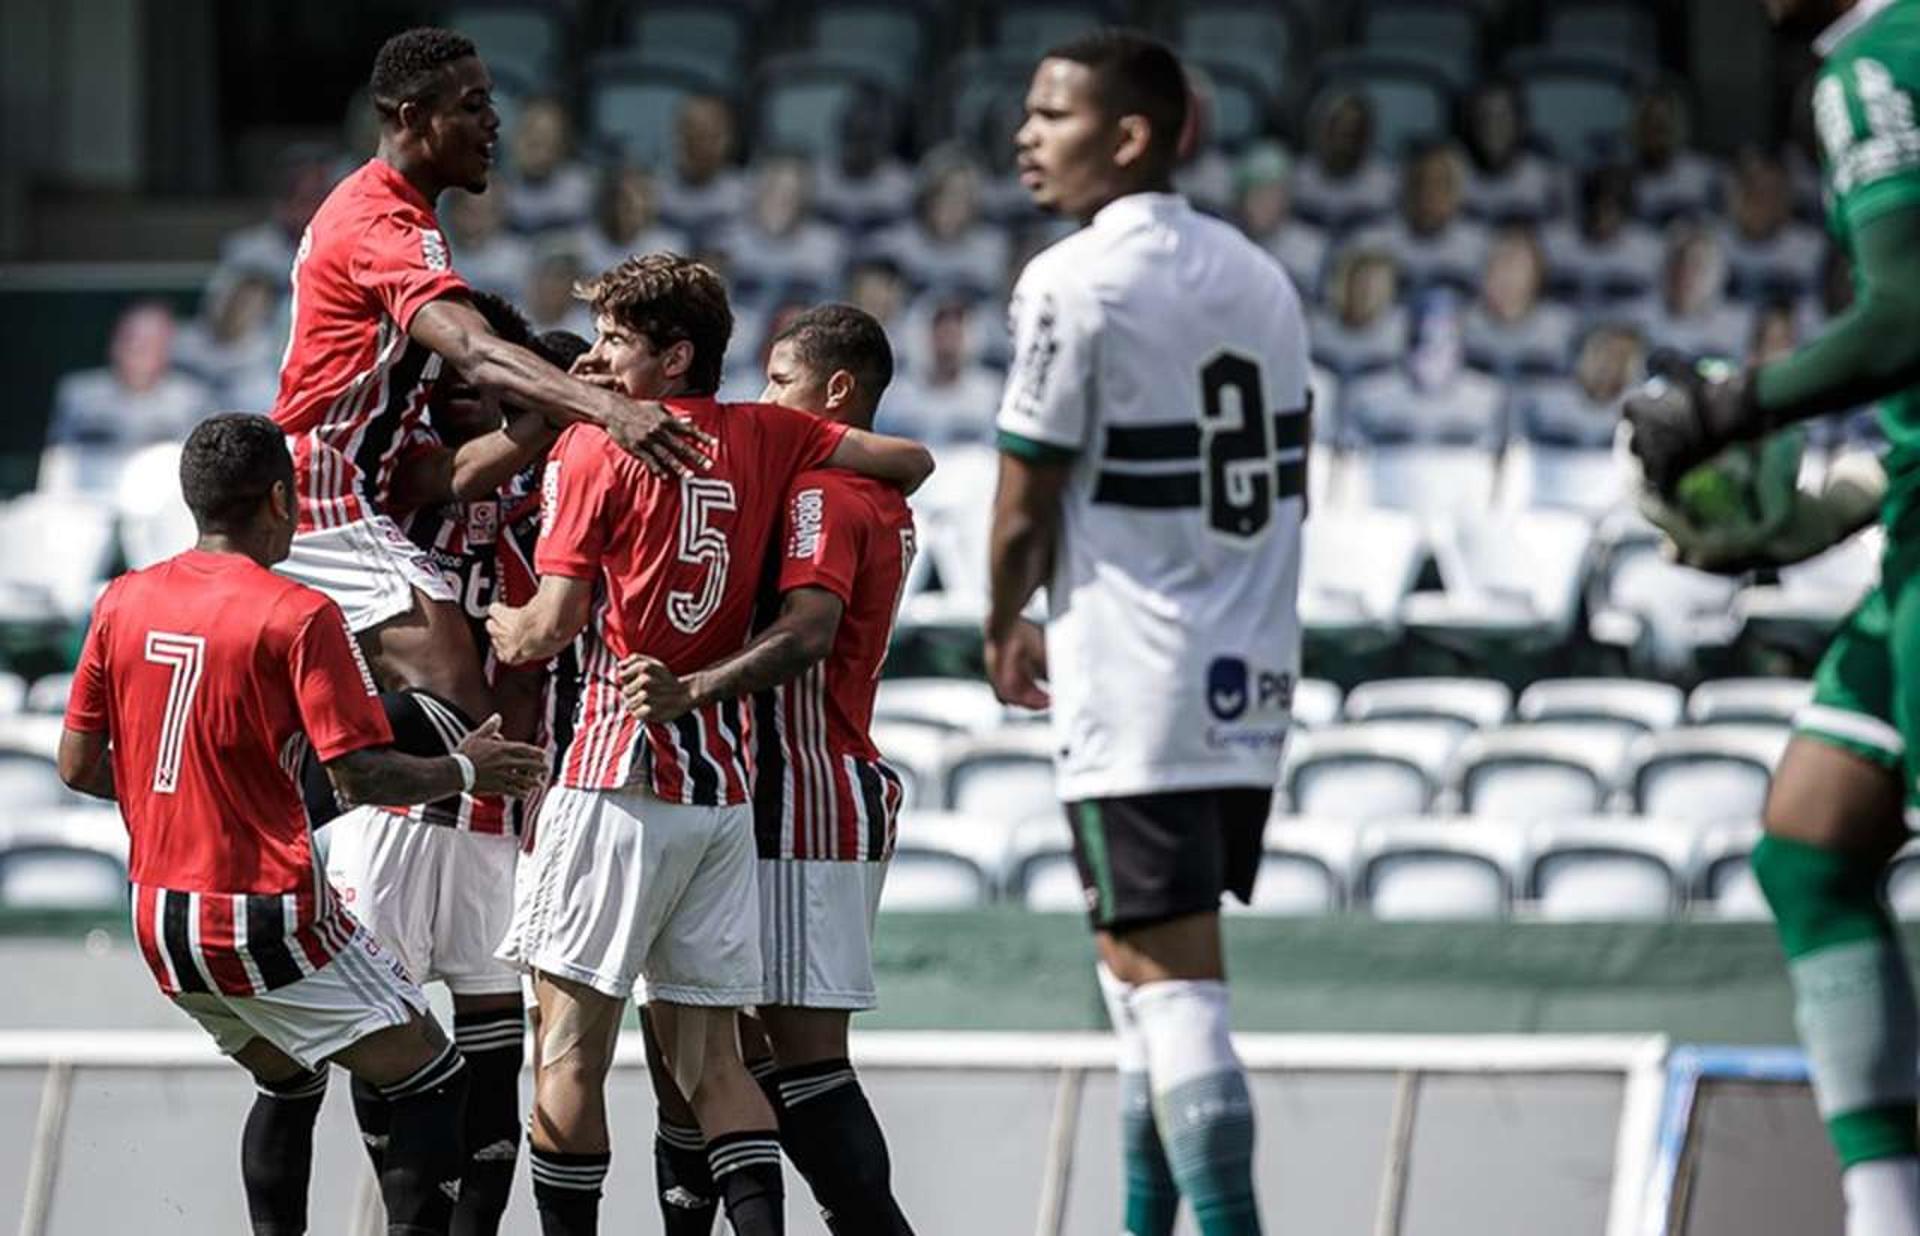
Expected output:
{"points": [[184, 655], [701, 544]]}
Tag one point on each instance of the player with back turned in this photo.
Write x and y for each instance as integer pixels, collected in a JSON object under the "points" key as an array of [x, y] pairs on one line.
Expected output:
{"points": [[1152, 477], [204, 682], [1836, 812]]}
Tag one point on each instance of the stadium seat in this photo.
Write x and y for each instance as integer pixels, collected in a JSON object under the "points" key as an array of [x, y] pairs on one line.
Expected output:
{"points": [[1541, 771], [802, 96], [1365, 771], [154, 520], [889, 39], [1357, 568], [1813, 597], [925, 879], [918, 752], [1031, 28], [954, 519], [58, 550], [1660, 613], [1623, 705], [61, 877], [1466, 704], [1578, 105], [944, 839], [1411, 101], [706, 39], [48, 694], [1903, 885], [1040, 874], [13, 693], [29, 780], [1724, 886], [1442, 34], [1763, 701], [633, 103], [1438, 869], [527, 40], [1316, 703], [1609, 869], [956, 704], [1240, 107], [1581, 479], [1705, 773], [1426, 480], [1622, 32], [1305, 870], [1259, 39], [981, 97], [1006, 775], [1511, 582]]}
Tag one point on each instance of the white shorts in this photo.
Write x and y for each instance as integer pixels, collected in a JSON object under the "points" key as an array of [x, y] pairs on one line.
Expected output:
{"points": [[438, 898], [816, 932], [623, 887], [362, 990], [369, 568]]}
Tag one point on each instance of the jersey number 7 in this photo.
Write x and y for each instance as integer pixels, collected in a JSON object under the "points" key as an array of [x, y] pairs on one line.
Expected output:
{"points": [[184, 655]]}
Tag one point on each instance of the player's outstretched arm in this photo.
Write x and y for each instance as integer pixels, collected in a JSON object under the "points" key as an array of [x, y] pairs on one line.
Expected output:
{"points": [[389, 778], [455, 330], [799, 639], [474, 469], [898, 461], [85, 763], [1026, 521], [544, 625]]}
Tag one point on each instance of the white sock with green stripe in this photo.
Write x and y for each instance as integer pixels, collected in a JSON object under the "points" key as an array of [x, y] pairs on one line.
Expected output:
{"points": [[1202, 1107]]}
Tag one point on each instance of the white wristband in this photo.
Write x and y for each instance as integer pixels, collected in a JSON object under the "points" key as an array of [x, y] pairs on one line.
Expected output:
{"points": [[466, 770]]}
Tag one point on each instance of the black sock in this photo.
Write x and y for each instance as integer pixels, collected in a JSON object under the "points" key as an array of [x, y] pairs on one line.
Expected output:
{"points": [[746, 1171], [828, 1129], [688, 1200], [762, 1071], [276, 1153], [494, 1044], [371, 1113], [566, 1190], [421, 1176]]}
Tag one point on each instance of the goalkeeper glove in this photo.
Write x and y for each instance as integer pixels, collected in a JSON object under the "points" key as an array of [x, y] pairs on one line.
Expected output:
{"points": [[1684, 414]]}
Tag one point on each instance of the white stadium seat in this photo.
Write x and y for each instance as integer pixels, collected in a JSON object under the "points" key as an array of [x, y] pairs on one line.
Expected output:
{"points": [[1540, 771], [58, 550], [1903, 886], [918, 752], [1706, 773], [1316, 703], [1370, 771], [1766, 701], [1511, 579], [1724, 885], [1306, 870], [155, 523], [1584, 480], [1438, 869], [929, 879], [1356, 569], [1658, 612], [951, 703], [1468, 703], [1626, 704], [1818, 593], [1426, 480], [1609, 868], [1008, 774], [48, 694]]}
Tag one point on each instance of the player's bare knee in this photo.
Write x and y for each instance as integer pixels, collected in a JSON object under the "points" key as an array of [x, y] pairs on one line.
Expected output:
{"points": [[805, 1036], [1827, 797], [267, 1063], [1187, 947]]}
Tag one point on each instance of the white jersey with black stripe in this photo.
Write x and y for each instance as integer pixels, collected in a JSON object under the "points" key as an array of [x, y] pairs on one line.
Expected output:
{"points": [[1163, 357]]}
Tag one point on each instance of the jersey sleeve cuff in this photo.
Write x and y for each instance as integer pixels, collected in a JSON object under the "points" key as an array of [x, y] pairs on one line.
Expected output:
{"points": [[347, 744], [440, 287], [567, 568], [1033, 450]]}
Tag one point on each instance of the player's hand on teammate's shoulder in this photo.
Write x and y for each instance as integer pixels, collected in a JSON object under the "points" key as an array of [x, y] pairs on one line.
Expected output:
{"points": [[1017, 663], [652, 692], [1684, 414], [668, 445], [500, 765]]}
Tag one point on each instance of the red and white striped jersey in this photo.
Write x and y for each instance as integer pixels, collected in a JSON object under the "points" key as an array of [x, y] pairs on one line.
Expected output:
{"points": [[679, 562], [823, 790], [211, 676], [352, 382]]}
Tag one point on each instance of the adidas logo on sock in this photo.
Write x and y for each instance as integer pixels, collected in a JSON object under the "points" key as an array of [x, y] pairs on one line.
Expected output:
{"points": [[502, 1151], [685, 1199], [374, 1141], [451, 1188]]}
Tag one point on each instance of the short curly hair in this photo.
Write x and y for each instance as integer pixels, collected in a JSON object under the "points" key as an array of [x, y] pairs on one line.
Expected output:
{"points": [[410, 66], [229, 464], [668, 298]]}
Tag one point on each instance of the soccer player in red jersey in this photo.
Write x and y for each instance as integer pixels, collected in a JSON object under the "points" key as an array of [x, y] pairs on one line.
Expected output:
{"points": [[825, 803], [203, 682], [643, 860], [379, 313]]}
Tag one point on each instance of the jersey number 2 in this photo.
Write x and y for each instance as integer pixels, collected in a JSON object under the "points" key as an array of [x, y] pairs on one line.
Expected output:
{"points": [[1237, 437], [184, 655], [701, 544]]}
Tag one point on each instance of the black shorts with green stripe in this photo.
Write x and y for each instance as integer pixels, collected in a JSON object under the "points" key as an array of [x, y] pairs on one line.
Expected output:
{"points": [[1148, 858]]}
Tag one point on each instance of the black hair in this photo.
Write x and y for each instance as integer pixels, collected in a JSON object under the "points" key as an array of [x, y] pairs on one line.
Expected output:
{"points": [[1135, 75], [831, 337], [231, 462], [560, 348], [410, 66], [505, 320]]}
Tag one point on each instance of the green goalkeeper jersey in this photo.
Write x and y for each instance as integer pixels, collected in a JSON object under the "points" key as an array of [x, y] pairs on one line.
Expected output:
{"points": [[1864, 113]]}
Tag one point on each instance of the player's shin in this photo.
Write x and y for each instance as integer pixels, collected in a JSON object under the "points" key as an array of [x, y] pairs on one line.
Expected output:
{"points": [[746, 1171], [494, 1044], [688, 1199], [1201, 1104], [276, 1152], [1153, 1200], [1855, 1009], [828, 1129], [375, 1119], [425, 1151]]}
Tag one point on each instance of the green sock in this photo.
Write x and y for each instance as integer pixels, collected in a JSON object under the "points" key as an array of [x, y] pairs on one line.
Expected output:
{"points": [[1853, 1000], [1208, 1128], [1153, 1200]]}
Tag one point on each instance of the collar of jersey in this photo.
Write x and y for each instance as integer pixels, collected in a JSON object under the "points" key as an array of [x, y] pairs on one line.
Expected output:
{"points": [[1850, 21], [400, 184], [1137, 208]]}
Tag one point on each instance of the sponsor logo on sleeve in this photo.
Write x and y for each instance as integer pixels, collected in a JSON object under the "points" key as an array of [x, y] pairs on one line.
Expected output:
{"points": [[803, 541], [433, 250]]}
